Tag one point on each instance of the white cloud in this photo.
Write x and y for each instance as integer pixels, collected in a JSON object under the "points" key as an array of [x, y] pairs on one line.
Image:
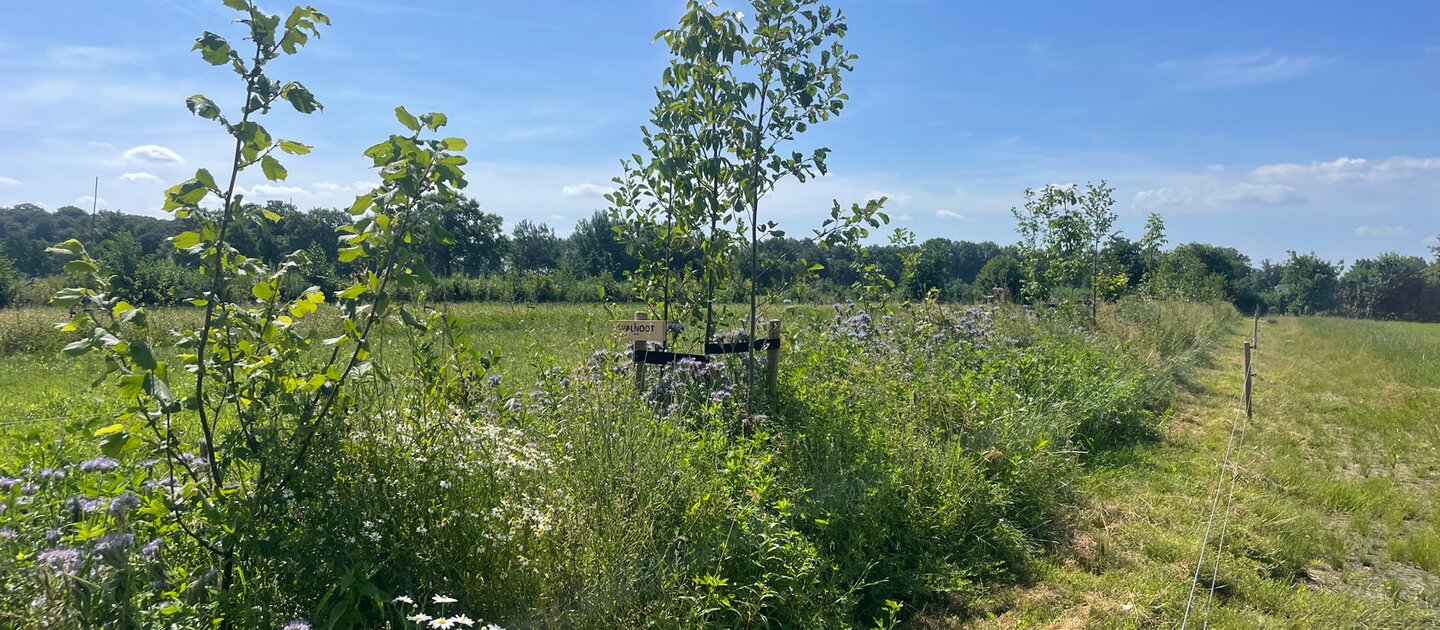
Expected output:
{"points": [[103, 145], [904, 217], [1218, 194], [1349, 169], [947, 214], [271, 190], [87, 201], [152, 153], [326, 189], [586, 190], [1223, 71], [10, 181], [890, 198], [1381, 230], [139, 177]]}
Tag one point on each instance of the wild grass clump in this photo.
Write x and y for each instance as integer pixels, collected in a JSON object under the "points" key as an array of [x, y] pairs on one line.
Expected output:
{"points": [[915, 458]]}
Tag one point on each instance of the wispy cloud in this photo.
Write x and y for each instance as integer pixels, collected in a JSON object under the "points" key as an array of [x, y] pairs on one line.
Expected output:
{"points": [[947, 214], [87, 201], [1397, 188], [1227, 71], [139, 177], [10, 181], [271, 190], [586, 190], [325, 189], [1349, 169], [892, 198], [152, 153], [1218, 194], [1381, 230]]}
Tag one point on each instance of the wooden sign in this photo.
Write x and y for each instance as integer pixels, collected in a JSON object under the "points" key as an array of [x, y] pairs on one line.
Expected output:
{"points": [[639, 330]]}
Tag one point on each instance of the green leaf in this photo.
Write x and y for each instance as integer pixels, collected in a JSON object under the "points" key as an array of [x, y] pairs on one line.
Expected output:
{"points": [[114, 428], [65, 298], [77, 348], [213, 48], [434, 120], [442, 235], [185, 194], [203, 107], [185, 240], [410, 320], [238, 5], [72, 247], [423, 272], [263, 290], [204, 177], [362, 203], [455, 144], [356, 290], [130, 386], [293, 40], [349, 254], [407, 119], [113, 444], [158, 388], [294, 148], [81, 266], [272, 215], [272, 168], [142, 356], [300, 98]]}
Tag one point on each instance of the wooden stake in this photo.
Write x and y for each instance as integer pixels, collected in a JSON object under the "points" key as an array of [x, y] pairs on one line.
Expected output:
{"points": [[639, 356], [1255, 337], [772, 360], [1249, 382]]}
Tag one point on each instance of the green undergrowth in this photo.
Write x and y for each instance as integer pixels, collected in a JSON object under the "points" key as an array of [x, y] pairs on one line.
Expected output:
{"points": [[1334, 521], [916, 460]]}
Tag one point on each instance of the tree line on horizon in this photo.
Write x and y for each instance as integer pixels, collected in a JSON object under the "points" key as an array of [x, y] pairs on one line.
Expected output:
{"points": [[531, 263]]}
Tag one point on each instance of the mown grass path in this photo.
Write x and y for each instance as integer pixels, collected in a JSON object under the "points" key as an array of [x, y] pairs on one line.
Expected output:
{"points": [[1336, 516]]}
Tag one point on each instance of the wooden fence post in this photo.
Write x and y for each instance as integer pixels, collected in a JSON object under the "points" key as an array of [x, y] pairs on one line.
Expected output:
{"points": [[772, 360], [638, 352], [1249, 382], [1255, 336]]}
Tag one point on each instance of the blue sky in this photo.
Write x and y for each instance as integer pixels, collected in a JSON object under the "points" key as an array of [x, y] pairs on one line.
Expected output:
{"points": [[1266, 126]]}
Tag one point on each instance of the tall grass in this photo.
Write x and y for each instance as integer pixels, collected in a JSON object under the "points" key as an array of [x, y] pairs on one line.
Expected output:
{"points": [[915, 458]]}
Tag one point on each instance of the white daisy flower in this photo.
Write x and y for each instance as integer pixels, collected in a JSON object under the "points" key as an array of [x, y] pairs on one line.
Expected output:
{"points": [[443, 599]]}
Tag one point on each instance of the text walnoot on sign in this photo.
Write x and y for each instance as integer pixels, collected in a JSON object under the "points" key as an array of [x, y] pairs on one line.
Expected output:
{"points": [[639, 330]]}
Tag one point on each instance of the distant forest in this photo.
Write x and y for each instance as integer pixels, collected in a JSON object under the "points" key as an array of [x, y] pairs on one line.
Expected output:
{"points": [[531, 263]]}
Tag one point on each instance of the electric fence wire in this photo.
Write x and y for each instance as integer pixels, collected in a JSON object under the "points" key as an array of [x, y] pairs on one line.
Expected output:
{"points": [[1210, 519], [1230, 498], [19, 421]]}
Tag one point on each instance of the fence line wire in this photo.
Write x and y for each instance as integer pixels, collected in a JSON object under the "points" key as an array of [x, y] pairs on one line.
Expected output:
{"points": [[1209, 522], [1225, 520], [1230, 460]]}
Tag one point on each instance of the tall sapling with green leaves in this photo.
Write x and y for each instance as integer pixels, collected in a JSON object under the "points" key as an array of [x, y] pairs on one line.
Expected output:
{"points": [[260, 399]]}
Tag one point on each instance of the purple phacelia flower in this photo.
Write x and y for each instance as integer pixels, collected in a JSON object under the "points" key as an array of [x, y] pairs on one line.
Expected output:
{"points": [[99, 464], [122, 504], [64, 561]]}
